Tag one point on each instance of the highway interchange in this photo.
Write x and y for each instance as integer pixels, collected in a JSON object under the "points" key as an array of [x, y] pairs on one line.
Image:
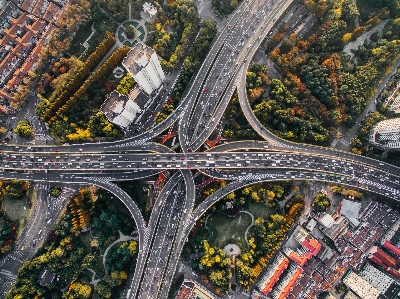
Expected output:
{"points": [[241, 163]]}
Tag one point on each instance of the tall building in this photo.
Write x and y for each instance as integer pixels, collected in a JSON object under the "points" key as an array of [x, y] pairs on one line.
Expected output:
{"points": [[120, 109], [385, 135], [142, 63]]}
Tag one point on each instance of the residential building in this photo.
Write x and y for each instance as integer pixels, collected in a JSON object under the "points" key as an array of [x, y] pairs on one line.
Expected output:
{"points": [[381, 281], [273, 273], [287, 282], [120, 109], [142, 63], [360, 287], [309, 247], [385, 135], [351, 210], [331, 227], [193, 290], [392, 248]]}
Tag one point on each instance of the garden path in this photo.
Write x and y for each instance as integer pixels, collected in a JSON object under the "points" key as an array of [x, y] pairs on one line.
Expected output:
{"points": [[121, 238]]}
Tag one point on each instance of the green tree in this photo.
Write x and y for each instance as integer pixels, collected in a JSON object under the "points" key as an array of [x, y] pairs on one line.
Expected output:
{"points": [[130, 32], [16, 188], [55, 191], [321, 202], [24, 129]]}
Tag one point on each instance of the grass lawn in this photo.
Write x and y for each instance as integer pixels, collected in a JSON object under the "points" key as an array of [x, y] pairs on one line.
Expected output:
{"points": [[259, 210], [229, 228], [130, 44], [141, 30]]}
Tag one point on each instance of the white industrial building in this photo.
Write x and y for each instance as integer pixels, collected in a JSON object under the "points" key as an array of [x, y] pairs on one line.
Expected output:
{"points": [[385, 135], [142, 63], [120, 109]]}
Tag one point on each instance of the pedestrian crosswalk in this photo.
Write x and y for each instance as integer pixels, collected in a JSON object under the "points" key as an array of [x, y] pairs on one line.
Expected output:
{"points": [[17, 255], [43, 137], [6, 283]]}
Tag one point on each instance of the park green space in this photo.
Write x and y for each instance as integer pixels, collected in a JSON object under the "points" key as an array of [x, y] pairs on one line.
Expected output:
{"points": [[229, 229]]}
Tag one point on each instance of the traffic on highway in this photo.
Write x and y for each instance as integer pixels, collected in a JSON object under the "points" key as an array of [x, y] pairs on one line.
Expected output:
{"points": [[199, 114]]}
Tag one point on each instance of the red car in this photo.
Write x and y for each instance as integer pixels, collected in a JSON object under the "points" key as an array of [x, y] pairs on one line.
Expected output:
{"points": [[79, 149], [57, 150]]}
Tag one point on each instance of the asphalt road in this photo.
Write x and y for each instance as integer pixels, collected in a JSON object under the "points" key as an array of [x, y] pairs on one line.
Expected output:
{"points": [[243, 163]]}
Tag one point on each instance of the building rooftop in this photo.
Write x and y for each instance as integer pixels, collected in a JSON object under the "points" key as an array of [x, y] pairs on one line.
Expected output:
{"points": [[386, 134], [150, 9], [273, 273], [120, 109], [193, 290], [358, 285], [351, 210], [137, 58]]}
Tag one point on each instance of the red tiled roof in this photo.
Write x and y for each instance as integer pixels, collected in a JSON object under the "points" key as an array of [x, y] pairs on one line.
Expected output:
{"points": [[37, 9], [394, 273], [184, 293], [391, 247], [26, 5], [37, 26], [312, 245], [291, 283], [26, 67], [384, 257], [274, 279], [50, 12], [26, 38]]}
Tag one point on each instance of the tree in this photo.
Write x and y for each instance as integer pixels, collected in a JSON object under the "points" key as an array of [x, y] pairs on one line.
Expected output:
{"points": [[125, 84], [3, 130], [55, 191], [24, 129], [130, 32], [321, 202], [16, 188]]}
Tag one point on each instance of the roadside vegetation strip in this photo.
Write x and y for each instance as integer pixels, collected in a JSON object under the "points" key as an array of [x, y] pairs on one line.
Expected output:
{"points": [[101, 72], [196, 55], [69, 89]]}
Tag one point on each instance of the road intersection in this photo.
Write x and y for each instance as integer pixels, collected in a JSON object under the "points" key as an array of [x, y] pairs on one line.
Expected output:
{"points": [[241, 163]]}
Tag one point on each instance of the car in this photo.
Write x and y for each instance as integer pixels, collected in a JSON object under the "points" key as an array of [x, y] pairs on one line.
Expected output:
{"points": [[79, 149], [205, 89], [56, 150], [189, 166], [182, 158], [51, 160]]}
